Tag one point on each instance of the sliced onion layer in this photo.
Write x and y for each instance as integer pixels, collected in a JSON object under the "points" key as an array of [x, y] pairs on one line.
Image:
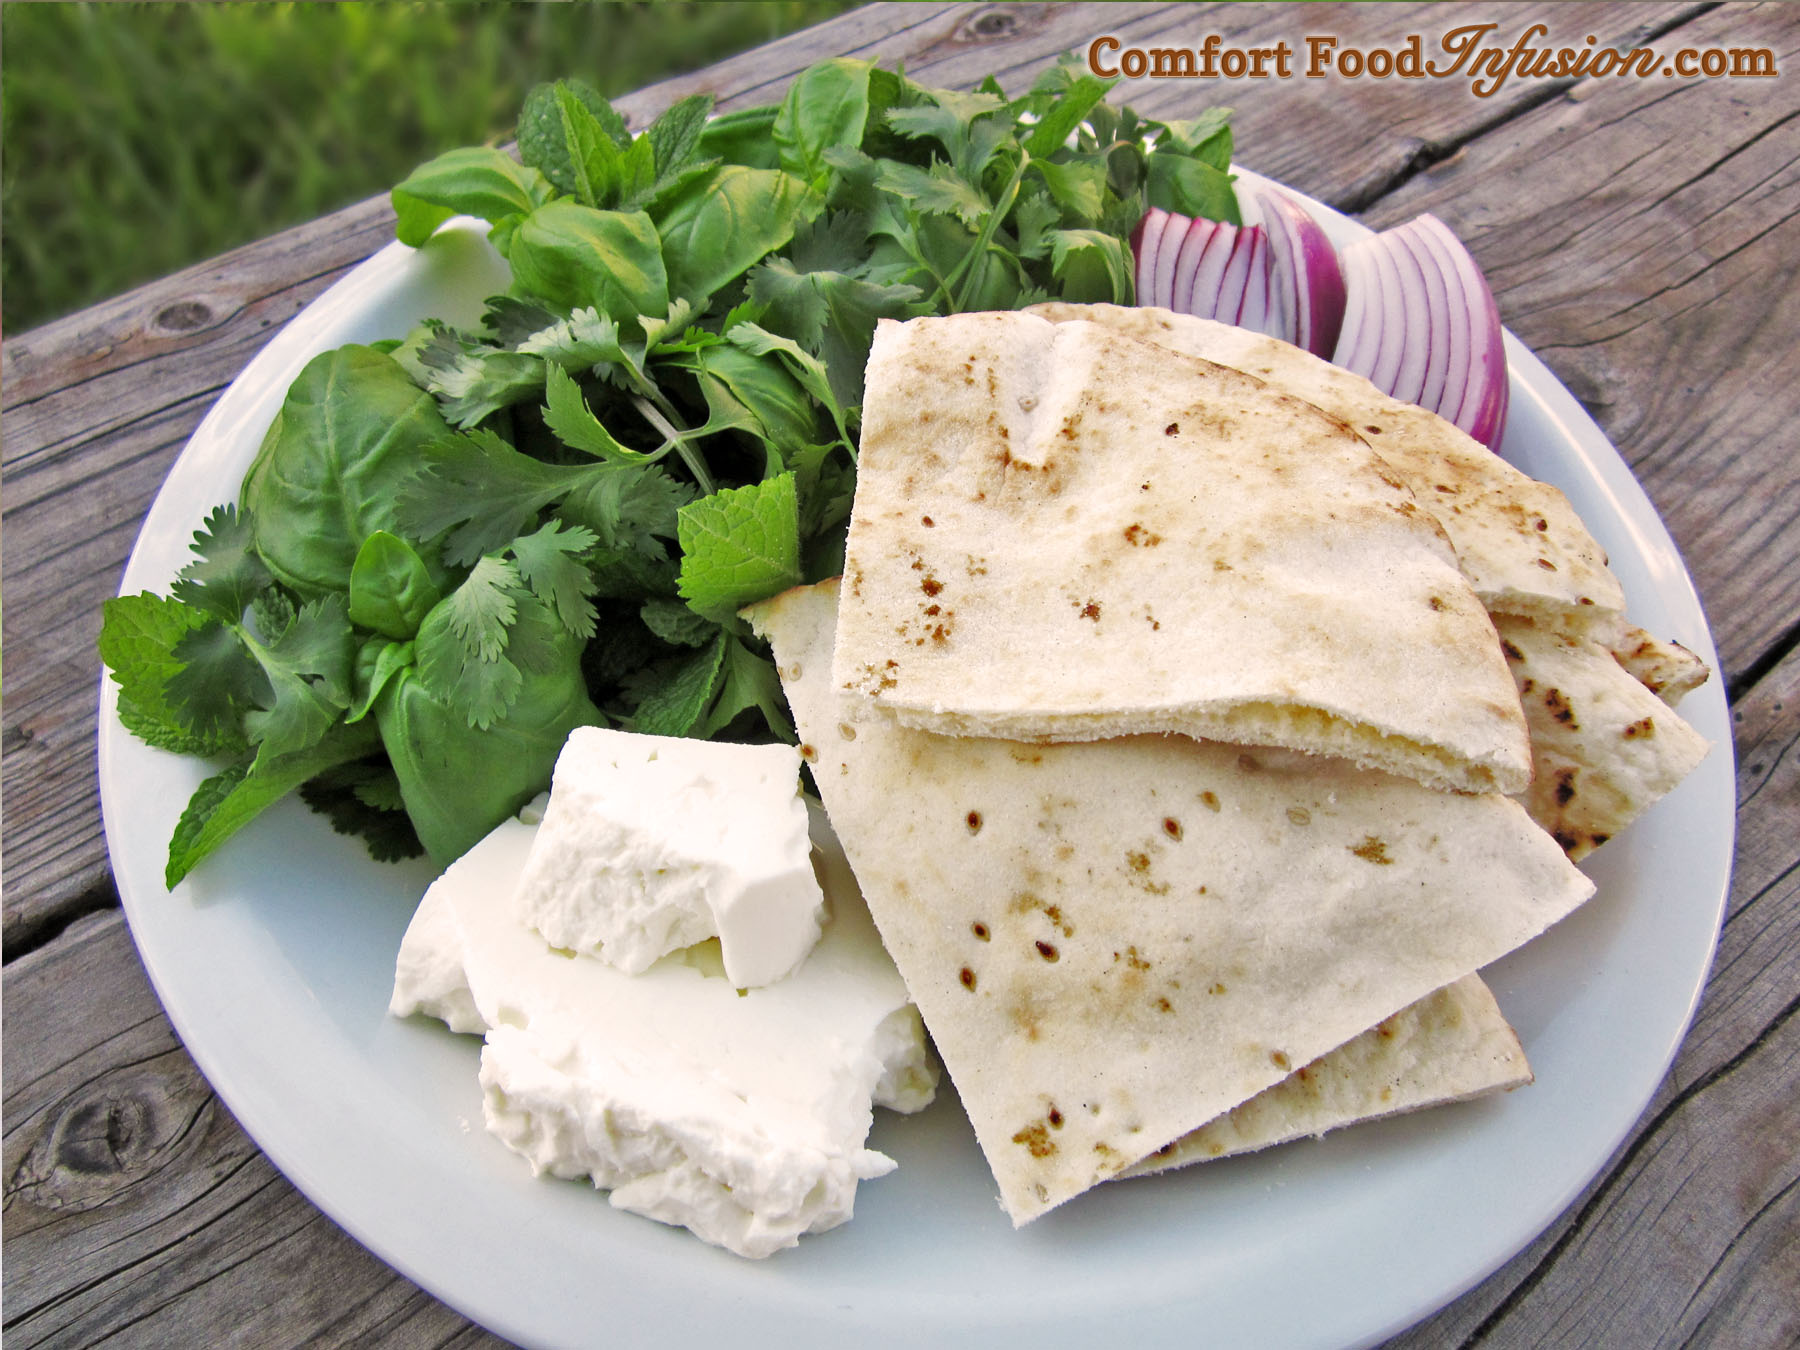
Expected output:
{"points": [[1276, 273], [1422, 325], [1306, 283]]}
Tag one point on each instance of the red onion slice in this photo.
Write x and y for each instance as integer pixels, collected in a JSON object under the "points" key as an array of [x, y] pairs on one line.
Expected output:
{"points": [[1306, 283], [1422, 325]]}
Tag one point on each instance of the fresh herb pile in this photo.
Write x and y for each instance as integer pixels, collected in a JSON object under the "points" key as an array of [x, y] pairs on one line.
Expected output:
{"points": [[453, 549]]}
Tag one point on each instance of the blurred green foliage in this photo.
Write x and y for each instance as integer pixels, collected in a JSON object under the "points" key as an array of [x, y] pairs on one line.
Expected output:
{"points": [[139, 138]]}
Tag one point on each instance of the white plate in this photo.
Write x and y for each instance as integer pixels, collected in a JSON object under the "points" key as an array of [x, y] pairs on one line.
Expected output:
{"points": [[275, 960]]}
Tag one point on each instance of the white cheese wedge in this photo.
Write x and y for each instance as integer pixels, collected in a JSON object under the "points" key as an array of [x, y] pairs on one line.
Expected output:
{"points": [[653, 843], [741, 1116]]}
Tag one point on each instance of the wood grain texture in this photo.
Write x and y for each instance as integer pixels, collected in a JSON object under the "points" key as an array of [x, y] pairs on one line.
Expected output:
{"points": [[136, 1209], [1641, 235]]}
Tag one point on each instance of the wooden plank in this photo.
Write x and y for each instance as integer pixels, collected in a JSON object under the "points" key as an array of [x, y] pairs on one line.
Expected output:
{"points": [[97, 405], [136, 1207], [1641, 236]]}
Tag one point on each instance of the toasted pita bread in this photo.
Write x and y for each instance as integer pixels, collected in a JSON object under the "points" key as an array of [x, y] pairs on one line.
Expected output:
{"points": [[1452, 1045], [1518, 541], [1667, 669], [1113, 943], [1064, 534], [1604, 746]]}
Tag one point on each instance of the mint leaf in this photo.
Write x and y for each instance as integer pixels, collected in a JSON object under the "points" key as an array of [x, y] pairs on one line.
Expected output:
{"points": [[739, 546], [750, 682], [544, 144], [228, 801], [676, 624], [675, 136], [675, 694], [138, 636]]}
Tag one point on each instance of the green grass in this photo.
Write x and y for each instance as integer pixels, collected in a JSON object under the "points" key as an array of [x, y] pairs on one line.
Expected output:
{"points": [[140, 138]]}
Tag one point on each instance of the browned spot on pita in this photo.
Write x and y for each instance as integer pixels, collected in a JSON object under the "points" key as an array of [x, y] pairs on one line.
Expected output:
{"points": [[1036, 1139], [1643, 727], [1373, 850], [968, 979]]}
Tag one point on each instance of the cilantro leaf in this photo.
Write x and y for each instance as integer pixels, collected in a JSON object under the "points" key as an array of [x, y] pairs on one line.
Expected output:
{"points": [[229, 574], [548, 560], [308, 674], [363, 799], [219, 681], [739, 546], [479, 610], [480, 493], [568, 415]]}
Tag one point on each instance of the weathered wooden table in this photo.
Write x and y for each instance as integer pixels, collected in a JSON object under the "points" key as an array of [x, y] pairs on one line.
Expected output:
{"points": [[1642, 235]]}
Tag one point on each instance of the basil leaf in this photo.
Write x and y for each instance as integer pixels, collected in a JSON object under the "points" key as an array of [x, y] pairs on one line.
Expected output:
{"points": [[477, 180], [390, 589], [827, 105], [720, 226], [573, 255], [1190, 187], [352, 429]]}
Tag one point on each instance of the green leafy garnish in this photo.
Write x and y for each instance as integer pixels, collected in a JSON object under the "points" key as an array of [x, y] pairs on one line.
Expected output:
{"points": [[453, 548]]}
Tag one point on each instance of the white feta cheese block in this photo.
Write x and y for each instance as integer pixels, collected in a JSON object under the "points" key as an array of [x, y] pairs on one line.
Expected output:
{"points": [[653, 843], [742, 1116]]}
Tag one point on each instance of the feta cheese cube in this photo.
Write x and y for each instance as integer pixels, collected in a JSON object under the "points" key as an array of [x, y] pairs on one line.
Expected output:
{"points": [[653, 843], [741, 1116]]}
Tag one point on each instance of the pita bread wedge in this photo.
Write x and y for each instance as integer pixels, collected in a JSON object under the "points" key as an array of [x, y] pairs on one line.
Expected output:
{"points": [[1064, 534], [1452, 1045], [1113, 943], [1667, 669], [1605, 747], [1518, 541]]}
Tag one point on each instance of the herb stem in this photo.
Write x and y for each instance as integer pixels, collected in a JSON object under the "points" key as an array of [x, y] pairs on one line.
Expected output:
{"points": [[669, 424], [986, 237]]}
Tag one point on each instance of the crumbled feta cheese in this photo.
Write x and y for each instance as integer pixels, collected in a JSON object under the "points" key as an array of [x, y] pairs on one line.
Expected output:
{"points": [[653, 843], [741, 1116]]}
